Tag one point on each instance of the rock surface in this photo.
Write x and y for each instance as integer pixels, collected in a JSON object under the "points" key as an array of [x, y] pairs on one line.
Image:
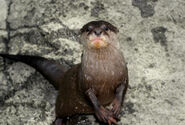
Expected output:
{"points": [[153, 41]]}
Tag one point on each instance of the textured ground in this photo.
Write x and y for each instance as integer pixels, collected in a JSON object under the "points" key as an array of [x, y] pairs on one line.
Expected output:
{"points": [[153, 41]]}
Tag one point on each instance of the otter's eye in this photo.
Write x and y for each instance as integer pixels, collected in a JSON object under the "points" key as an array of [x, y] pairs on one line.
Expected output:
{"points": [[89, 28], [105, 28]]}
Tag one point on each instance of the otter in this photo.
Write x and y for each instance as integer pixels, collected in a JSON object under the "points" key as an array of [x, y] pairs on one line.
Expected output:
{"points": [[99, 80]]}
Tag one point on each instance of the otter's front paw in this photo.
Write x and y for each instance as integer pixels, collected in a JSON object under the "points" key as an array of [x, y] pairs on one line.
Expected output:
{"points": [[116, 108], [106, 116]]}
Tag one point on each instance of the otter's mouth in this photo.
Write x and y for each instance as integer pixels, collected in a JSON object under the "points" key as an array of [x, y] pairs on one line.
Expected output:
{"points": [[98, 42]]}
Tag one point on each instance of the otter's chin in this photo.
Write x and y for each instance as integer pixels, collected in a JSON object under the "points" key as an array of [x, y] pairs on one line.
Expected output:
{"points": [[98, 44]]}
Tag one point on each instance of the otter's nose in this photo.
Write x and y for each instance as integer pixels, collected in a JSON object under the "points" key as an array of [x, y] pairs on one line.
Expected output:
{"points": [[98, 32]]}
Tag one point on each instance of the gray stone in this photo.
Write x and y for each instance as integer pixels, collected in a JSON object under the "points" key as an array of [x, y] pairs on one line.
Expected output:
{"points": [[2, 45], [146, 9], [159, 35], [50, 28], [3, 14], [98, 6]]}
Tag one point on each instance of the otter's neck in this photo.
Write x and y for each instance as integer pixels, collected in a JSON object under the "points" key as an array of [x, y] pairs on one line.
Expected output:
{"points": [[103, 55], [102, 66]]}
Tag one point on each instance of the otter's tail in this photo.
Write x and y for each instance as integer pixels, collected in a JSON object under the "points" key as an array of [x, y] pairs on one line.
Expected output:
{"points": [[52, 71]]}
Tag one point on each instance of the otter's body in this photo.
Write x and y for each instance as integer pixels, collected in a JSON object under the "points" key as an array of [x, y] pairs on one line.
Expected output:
{"points": [[99, 80], [101, 70]]}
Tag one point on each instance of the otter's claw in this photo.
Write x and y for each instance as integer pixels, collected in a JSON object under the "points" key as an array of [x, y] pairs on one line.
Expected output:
{"points": [[105, 116]]}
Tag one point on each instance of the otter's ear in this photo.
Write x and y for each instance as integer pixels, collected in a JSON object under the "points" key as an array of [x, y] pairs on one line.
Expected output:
{"points": [[116, 30], [80, 36], [81, 31], [113, 28], [84, 28]]}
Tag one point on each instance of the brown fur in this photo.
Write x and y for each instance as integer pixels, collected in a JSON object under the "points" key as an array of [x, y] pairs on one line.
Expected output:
{"points": [[102, 69], [99, 80]]}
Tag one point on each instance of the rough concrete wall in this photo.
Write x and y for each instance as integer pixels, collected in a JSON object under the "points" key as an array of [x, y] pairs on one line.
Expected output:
{"points": [[152, 34]]}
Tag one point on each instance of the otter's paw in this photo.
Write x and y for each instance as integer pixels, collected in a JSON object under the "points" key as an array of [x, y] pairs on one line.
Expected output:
{"points": [[116, 108], [106, 116]]}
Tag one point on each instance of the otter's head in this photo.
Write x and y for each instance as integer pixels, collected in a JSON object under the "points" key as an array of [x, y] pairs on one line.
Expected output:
{"points": [[98, 34]]}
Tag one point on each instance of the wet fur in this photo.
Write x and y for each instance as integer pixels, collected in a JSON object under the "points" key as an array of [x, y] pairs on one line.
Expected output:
{"points": [[103, 70]]}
